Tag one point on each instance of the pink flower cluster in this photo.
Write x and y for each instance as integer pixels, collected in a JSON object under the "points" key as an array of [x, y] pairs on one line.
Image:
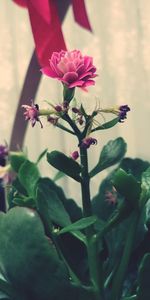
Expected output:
{"points": [[32, 113], [71, 68]]}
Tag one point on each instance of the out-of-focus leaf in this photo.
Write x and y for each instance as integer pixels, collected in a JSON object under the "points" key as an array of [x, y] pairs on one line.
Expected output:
{"points": [[41, 156], [58, 176], [28, 176], [25, 202], [127, 186], [16, 160], [49, 205], [25, 251], [134, 166], [143, 291], [146, 184], [79, 225]]}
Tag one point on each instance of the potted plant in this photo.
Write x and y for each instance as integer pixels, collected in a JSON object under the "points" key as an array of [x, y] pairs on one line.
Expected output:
{"points": [[52, 249]]}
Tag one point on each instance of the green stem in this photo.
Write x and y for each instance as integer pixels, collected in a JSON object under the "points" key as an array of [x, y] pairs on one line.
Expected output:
{"points": [[64, 128], [120, 275], [47, 112], [76, 130], [92, 250], [85, 184]]}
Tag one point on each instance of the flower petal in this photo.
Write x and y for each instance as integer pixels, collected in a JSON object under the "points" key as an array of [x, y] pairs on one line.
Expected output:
{"points": [[70, 77], [49, 72]]}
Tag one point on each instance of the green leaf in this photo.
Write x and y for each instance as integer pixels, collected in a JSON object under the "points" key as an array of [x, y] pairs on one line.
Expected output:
{"points": [[64, 164], [143, 292], [146, 184], [16, 160], [79, 225], [106, 125], [19, 187], [28, 176], [134, 166], [50, 206], [25, 202], [25, 252], [41, 156], [127, 186], [134, 297], [111, 154], [58, 176]]}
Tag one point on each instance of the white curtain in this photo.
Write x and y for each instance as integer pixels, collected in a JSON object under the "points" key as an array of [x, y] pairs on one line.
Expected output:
{"points": [[120, 45]]}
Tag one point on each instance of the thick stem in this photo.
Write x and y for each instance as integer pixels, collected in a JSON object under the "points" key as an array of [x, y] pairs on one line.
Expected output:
{"points": [[119, 278], [91, 237], [85, 184]]}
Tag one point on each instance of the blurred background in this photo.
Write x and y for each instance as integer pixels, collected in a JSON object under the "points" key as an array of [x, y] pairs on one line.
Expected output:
{"points": [[120, 45]]}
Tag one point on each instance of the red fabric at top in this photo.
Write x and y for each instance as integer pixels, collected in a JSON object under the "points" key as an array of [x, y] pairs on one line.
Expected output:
{"points": [[21, 2], [46, 25]]}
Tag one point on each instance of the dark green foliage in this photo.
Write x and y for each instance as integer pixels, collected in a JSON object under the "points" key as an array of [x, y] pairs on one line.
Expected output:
{"points": [[16, 160], [134, 166], [49, 205], [25, 252], [143, 291], [64, 164], [79, 225], [111, 154], [28, 176]]}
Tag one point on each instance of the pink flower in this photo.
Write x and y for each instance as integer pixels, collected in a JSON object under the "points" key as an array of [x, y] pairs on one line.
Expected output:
{"points": [[87, 142], [32, 114], [72, 68]]}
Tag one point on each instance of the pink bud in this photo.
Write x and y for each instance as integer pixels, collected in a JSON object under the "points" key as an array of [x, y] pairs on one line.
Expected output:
{"points": [[75, 155]]}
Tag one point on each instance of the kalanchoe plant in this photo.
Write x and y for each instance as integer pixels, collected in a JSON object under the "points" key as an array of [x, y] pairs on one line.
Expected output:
{"points": [[51, 249]]}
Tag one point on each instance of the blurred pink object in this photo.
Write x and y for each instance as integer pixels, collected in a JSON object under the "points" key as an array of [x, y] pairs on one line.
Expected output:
{"points": [[72, 68], [46, 24]]}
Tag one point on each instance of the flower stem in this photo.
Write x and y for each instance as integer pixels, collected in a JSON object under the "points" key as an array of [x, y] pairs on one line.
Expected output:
{"points": [[67, 118], [119, 278], [92, 250], [64, 128]]}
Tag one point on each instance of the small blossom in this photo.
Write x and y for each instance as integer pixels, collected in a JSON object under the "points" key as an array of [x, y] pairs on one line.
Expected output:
{"points": [[87, 142], [75, 110], [65, 105], [80, 115], [71, 68], [123, 109], [32, 114], [52, 120], [80, 120], [75, 155], [58, 108]]}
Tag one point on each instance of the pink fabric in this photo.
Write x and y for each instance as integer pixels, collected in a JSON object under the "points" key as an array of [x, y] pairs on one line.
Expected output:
{"points": [[71, 68], [46, 25]]}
